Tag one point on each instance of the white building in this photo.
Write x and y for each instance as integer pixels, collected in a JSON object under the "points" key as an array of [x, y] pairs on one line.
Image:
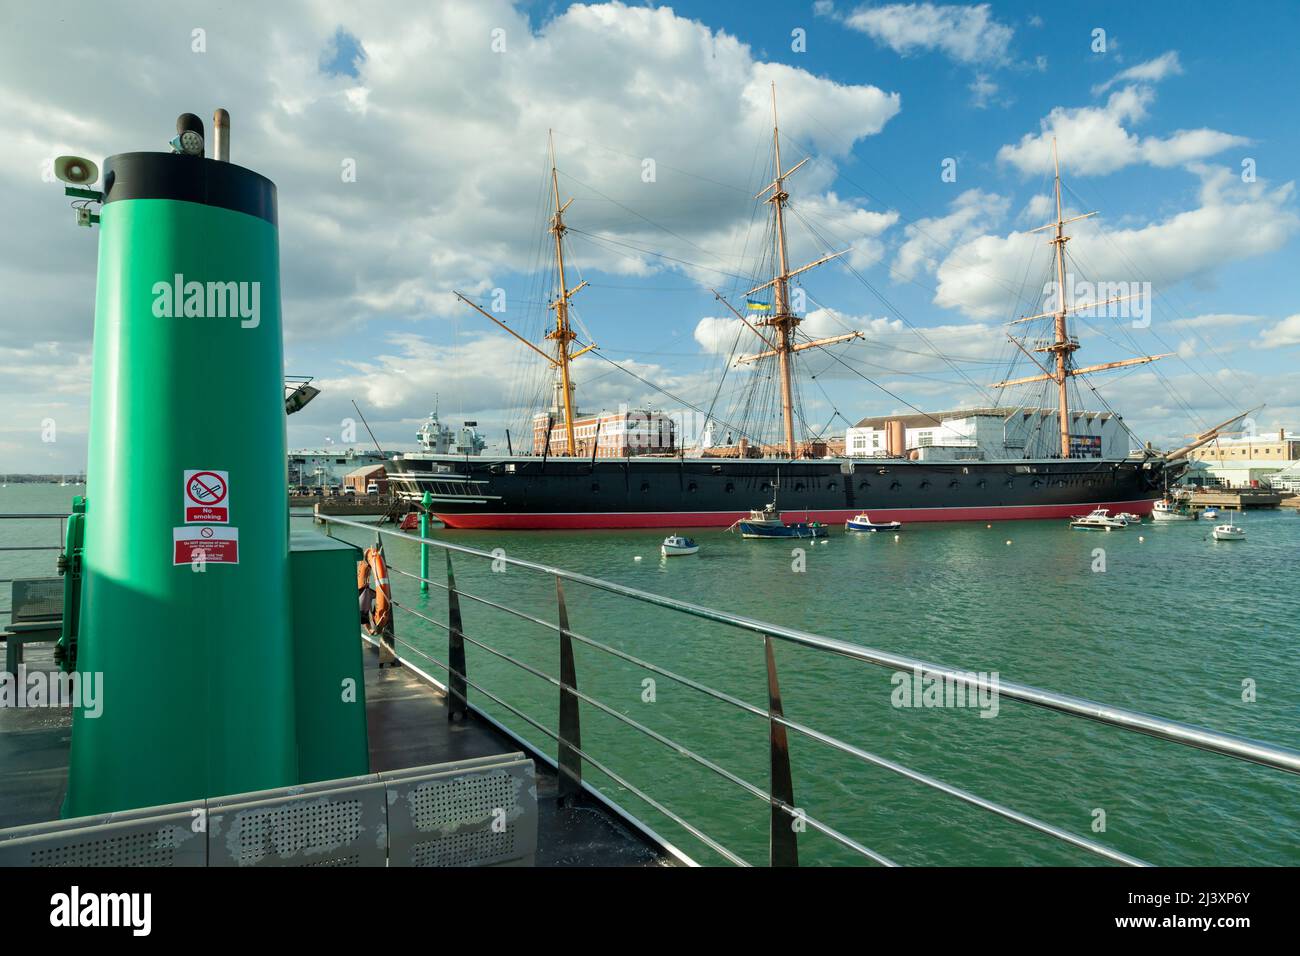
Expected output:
{"points": [[316, 467], [986, 433], [1241, 461], [1288, 479]]}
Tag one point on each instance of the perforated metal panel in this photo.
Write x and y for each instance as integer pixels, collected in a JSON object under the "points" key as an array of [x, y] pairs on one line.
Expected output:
{"points": [[159, 836], [480, 812], [37, 600], [468, 848], [477, 813], [319, 825]]}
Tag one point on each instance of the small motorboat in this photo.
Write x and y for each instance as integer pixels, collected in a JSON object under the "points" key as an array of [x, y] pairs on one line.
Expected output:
{"points": [[1129, 517], [766, 523], [1229, 531], [675, 545], [863, 522], [1210, 513], [1099, 519], [1166, 510]]}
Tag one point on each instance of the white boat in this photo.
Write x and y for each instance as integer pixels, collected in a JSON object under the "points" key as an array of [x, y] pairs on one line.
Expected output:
{"points": [[675, 545], [1210, 513], [1171, 511], [863, 522], [1099, 519], [1129, 517], [1229, 531]]}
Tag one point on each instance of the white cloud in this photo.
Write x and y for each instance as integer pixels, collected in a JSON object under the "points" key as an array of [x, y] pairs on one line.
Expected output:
{"points": [[720, 336], [1152, 71], [1285, 333], [967, 34], [44, 388], [448, 139], [973, 212], [1037, 210], [982, 90], [1233, 221], [1095, 140]]}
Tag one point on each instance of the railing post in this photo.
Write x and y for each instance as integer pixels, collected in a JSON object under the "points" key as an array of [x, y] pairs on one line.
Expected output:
{"points": [[783, 839], [457, 688], [425, 501], [570, 742]]}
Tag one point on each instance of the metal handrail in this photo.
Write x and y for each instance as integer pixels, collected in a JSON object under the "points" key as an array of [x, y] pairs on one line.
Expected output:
{"points": [[1188, 735], [62, 519], [646, 731], [866, 756], [1230, 745]]}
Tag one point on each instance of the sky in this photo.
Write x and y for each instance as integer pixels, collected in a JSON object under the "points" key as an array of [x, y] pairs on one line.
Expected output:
{"points": [[408, 142]]}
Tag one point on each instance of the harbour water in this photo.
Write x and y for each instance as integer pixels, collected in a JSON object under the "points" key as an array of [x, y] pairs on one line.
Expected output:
{"points": [[1176, 625]]}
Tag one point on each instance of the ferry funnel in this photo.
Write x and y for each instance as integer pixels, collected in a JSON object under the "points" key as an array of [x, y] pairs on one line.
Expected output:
{"points": [[185, 608]]}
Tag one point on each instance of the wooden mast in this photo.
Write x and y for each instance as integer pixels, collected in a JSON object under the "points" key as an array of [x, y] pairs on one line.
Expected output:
{"points": [[783, 320], [1063, 345], [561, 334]]}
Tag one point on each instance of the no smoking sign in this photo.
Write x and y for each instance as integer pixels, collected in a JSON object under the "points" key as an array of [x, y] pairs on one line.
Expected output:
{"points": [[207, 497]]}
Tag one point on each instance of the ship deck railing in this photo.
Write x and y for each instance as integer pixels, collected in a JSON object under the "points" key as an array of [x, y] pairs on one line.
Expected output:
{"points": [[779, 794], [34, 612]]}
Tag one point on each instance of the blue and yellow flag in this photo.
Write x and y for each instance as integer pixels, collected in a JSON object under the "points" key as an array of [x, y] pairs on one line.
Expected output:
{"points": [[758, 306]]}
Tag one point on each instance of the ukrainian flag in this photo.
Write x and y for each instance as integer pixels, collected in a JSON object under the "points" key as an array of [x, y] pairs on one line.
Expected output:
{"points": [[758, 306]]}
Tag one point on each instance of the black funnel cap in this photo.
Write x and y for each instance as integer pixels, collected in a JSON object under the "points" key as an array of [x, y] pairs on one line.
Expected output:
{"points": [[189, 123]]}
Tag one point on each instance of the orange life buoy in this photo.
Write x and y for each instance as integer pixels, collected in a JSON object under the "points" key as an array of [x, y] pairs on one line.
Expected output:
{"points": [[377, 614]]}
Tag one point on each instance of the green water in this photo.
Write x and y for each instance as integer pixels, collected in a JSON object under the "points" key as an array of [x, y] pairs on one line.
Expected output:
{"points": [[1173, 627]]}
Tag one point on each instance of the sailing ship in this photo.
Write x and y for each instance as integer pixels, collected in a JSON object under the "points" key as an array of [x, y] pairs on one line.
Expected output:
{"points": [[564, 487]]}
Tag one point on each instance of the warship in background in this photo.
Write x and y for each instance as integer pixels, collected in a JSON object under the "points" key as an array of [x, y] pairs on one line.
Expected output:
{"points": [[435, 438]]}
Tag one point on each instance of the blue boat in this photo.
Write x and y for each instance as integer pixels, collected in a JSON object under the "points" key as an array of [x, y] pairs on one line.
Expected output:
{"points": [[863, 522], [766, 523]]}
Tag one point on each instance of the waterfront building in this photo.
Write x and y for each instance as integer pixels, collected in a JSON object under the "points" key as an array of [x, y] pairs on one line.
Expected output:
{"points": [[327, 467], [629, 431], [986, 433], [1247, 460]]}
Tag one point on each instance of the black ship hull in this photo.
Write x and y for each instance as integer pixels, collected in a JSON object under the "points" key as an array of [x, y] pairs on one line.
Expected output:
{"points": [[537, 493]]}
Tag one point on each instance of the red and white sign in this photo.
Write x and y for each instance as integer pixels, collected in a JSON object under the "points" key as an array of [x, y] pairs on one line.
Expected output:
{"points": [[207, 497], [195, 544]]}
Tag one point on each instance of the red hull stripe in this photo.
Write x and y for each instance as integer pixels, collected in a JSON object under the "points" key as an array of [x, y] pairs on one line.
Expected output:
{"points": [[723, 519]]}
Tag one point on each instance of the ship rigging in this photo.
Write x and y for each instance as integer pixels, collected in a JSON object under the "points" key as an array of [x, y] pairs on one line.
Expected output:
{"points": [[1064, 345]]}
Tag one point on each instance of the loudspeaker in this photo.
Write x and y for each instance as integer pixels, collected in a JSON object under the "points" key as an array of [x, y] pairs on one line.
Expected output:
{"points": [[75, 171]]}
